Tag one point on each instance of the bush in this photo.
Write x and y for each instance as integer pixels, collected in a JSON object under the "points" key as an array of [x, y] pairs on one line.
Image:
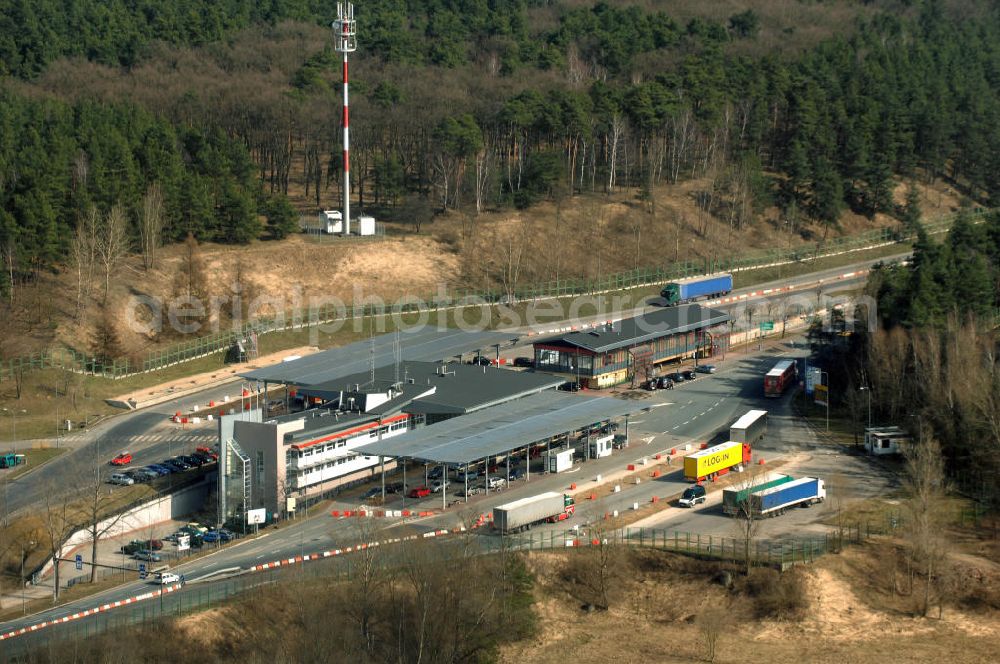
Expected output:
{"points": [[775, 595]]}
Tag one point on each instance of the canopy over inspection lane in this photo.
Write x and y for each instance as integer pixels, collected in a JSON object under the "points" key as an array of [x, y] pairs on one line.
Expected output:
{"points": [[501, 429], [428, 344]]}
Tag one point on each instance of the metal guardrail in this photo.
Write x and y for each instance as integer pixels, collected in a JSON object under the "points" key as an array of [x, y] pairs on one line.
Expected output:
{"points": [[71, 360]]}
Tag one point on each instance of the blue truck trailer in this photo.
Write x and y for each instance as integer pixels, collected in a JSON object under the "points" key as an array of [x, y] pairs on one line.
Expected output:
{"points": [[683, 291], [776, 500]]}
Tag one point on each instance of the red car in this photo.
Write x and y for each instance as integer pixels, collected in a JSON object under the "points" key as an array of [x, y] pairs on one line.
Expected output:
{"points": [[122, 459], [209, 451], [419, 492]]}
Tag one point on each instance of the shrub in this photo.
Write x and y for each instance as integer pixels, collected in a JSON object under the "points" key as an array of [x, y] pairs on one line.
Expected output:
{"points": [[775, 595]]}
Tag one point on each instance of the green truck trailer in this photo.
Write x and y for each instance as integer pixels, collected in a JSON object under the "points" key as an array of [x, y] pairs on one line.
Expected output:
{"points": [[732, 499]]}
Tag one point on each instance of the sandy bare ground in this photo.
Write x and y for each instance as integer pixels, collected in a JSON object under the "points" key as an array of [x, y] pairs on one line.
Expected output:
{"points": [[655, 621]]}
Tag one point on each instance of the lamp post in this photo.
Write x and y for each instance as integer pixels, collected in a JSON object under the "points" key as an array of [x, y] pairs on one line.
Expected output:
{"points": [[13, 426], [865, 388]]}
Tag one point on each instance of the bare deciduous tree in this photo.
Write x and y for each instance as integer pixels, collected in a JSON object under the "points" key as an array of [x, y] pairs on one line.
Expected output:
{"points": [[112, 243], [151, 225], [746, 524], [924, 484], [56, 526], [104, 511], [83, 257], [712, 623]]}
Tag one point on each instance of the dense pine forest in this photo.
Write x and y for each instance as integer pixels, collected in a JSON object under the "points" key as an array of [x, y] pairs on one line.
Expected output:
{"points": [[476, 105]]}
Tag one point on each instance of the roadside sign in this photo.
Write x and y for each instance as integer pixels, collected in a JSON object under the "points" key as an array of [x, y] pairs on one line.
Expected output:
{"points": [[256, 516], [813, 378], [79, 561], [822, 394], [142, 570], [767, 326], [183, 542]]}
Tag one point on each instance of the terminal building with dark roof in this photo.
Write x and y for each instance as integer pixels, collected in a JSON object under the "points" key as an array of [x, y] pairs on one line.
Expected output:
{"points": [[305, 454], [609, 355]]}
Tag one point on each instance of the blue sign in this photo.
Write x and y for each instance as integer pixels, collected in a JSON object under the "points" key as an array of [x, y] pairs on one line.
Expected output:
{"points": [[142, 570], [79, 561]]}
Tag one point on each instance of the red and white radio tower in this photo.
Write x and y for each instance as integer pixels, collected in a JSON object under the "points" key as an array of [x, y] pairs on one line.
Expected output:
{"points": [[346, 41]]}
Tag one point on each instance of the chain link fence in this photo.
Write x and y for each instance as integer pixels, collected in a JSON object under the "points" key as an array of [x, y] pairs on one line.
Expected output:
{"points": [[71, 360]]}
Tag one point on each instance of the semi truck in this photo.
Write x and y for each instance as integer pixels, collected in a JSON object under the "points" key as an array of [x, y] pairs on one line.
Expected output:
{"points": [[776, 500], [750, 428], [683, 291], [717, 460], [734, 499], [526, 512]]}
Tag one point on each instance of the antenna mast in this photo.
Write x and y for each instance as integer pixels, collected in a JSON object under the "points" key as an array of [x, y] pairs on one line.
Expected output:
{"points": [[346, 41]]}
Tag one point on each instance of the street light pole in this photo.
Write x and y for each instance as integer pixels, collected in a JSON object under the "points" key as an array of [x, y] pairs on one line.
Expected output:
{"points": [[865, 388]]}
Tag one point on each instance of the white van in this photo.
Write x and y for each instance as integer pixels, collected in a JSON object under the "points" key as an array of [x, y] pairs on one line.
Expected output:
{"points": [[123, 480], [167, 578]]}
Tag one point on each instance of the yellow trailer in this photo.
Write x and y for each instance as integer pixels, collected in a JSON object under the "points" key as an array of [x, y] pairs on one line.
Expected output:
{"points": [[721, 458]]}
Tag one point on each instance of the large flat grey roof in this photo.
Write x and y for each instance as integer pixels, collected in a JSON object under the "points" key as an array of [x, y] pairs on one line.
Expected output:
{"points": [[459, 388], [501, 429], [640, 329], [427, 343]]}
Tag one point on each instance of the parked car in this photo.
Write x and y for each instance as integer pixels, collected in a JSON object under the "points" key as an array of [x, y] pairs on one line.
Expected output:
{"points": [[150, 473], [207, 451], [690, 375], [211, 536], [371, 493], [121, 479], [160, 468], [177, 465], [123, 459], [706, 368], [395, 487], [197, 527], [440, 485], [132, 547], [480, 361], [666, 383], [192, 460], [570, 386], [677, 377], [472, 491], [516, 474], [435, 473], [692, 496], [166, 578], [469, 476], [147, 555], [419, 492], [496, 483], [526, 362], [137, 476], [203, 458], [652, 384], [620, 441], [226, 534]]}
